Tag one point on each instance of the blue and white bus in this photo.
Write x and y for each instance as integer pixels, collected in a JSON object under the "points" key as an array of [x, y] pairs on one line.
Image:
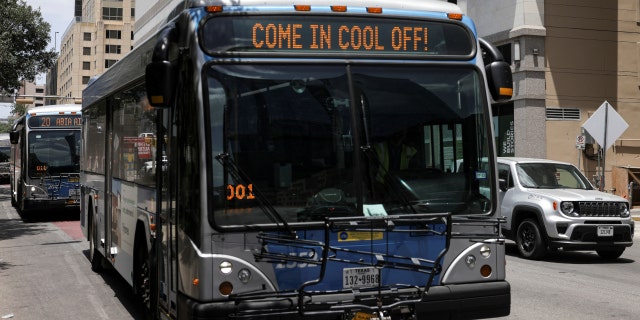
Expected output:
{"points": [[282, 160], [45, 159]]}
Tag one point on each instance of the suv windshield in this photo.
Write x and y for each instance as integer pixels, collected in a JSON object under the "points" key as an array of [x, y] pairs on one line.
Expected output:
{"points": [[551, 176], [307, 141]]}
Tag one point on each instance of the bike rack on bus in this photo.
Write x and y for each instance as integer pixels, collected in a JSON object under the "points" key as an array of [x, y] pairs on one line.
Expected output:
{"points": [[332, 253]]}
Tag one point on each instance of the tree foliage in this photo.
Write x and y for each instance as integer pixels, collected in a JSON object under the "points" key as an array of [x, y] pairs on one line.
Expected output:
{"points": [[24, 36]]}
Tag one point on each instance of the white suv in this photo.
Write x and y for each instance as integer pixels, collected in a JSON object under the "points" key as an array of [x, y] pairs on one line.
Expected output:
{"points": [[550, 205]]}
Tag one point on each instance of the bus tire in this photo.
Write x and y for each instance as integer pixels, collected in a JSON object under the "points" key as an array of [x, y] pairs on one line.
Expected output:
{"points": [[142, 274], [95, 257], [529, 240]]}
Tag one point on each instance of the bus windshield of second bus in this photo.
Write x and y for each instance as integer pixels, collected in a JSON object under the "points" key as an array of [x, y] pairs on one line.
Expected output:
{"points": [[52, 153]]}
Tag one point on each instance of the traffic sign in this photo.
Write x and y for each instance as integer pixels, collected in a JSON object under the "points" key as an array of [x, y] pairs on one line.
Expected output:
{"points": [[580, 142], [605, 125]]}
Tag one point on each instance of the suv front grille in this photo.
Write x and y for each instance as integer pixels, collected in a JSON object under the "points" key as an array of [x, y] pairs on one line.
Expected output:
{"points": [[598, 209]]}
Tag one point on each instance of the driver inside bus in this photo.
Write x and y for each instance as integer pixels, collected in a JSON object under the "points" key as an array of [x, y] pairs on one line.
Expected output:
{"points": [[394, 154]]}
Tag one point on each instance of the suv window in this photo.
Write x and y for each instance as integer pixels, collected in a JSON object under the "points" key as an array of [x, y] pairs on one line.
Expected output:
{"points": [[504, 173]]}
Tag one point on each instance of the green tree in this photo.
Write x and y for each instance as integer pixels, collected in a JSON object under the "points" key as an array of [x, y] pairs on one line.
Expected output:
{"points": [[19, 108], [5, 127], [24, 36]]}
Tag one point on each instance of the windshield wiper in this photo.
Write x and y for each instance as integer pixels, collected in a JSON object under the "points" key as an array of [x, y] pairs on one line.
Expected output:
{"points": [[395, 187], [267, 208]]}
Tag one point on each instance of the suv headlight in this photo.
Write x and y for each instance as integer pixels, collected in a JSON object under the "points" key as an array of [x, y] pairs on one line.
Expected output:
{"points": [[623, 209], [568, 208]]}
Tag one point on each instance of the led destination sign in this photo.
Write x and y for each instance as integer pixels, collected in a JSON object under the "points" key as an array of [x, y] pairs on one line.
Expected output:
{"points": [[324, 34], [55, 121]]}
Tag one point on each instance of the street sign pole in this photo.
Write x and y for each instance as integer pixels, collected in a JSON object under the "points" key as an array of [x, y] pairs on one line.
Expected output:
{"points": [[601, 130], [604, 152]]}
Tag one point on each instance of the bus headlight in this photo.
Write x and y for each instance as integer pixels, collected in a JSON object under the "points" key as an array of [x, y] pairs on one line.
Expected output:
{"points": [[470, 261], [225, 267], [244, 275], [36, 192], [485, 251]]}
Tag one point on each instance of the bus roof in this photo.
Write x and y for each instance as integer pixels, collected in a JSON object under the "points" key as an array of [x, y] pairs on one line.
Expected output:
{"points": [[421, 5], [55, 108]]}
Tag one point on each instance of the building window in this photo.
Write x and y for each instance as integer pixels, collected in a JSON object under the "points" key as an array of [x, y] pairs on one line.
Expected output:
{"points": [[505, 49], [133, 12], [113, 34], [86, 51], [112, 14], [39, 90], [87, 36], [86, 65], [85, 79], [112, 48], [563, 114], [109, 62]]}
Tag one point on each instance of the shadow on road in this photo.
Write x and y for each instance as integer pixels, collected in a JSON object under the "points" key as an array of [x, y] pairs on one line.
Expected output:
{"points": [[122, 290], [12, 228], [570, 257], [51, 215]]}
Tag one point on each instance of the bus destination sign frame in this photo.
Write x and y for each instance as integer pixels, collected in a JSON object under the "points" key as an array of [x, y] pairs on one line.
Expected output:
{"points": [[55, 121], [337, 36]]}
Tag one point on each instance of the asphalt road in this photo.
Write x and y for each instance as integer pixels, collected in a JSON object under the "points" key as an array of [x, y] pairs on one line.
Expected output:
{"points": [[45, 274]]}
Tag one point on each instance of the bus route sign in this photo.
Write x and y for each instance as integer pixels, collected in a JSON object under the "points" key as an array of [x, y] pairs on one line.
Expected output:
{"points": [[330, 34]]}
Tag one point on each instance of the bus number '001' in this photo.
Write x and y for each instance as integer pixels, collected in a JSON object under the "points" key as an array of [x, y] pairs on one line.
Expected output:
{"points": [[240, 192]]}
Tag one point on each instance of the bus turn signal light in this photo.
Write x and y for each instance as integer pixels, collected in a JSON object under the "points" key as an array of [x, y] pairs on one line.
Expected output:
{"points": [[225, 288], [485, 271], [214, 9], [339, 8], [454, 16], [302, 7]]}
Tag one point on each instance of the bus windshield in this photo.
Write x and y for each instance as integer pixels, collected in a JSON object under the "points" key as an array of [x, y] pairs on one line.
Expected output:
{"points": [[332, 141], [52, 153]]}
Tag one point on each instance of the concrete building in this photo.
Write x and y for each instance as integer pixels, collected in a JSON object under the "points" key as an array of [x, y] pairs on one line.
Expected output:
{"points": [[93, 42], [568, 57], [150, 14], [33, 92]]}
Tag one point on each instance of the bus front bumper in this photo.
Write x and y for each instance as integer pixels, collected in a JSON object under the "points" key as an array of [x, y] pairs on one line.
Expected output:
{"points": [[466, 301], [462, 301]]}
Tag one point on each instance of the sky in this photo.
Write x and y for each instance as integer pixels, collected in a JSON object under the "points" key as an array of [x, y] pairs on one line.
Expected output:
{"points": [[59, 14]]}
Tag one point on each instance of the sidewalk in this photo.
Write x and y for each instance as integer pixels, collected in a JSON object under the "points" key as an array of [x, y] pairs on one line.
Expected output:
{"points": [[635, 214]]}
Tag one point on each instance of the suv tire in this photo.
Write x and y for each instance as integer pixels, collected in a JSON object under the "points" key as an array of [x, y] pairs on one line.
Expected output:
{"points": [[610, 254], [529, 240]]}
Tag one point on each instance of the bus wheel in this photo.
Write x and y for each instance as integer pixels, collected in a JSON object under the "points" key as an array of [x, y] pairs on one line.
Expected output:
{"points": [[142, 274], [529, 240], [94, 253]]}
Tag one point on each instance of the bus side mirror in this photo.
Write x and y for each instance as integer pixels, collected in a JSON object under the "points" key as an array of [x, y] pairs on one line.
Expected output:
{"points": [[160, 79], [160, 73], [500, 80], [13, 137]]}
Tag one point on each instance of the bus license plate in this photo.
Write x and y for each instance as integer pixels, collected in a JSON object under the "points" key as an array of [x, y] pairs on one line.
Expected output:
{"points": [[605, 231], [360, 277]]}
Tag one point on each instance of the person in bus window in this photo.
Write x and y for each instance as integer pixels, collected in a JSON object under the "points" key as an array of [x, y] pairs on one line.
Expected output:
{"points": [[394, 154]]}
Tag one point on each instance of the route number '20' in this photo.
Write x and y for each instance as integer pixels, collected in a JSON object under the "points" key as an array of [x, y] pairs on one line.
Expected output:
{"points": [[240, 192]]}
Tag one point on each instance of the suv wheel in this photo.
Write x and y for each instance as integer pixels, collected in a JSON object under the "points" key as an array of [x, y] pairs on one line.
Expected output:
{"points": [[529, 240], [610, 254]]}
